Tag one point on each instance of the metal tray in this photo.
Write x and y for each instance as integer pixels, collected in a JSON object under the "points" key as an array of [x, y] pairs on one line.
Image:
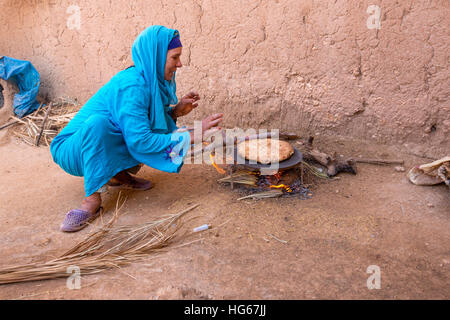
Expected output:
{"points": [[294, 160]]}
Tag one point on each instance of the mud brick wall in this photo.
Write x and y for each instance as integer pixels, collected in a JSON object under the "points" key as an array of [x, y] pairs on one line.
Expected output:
{"points": [[7, 92], [376, 70]]}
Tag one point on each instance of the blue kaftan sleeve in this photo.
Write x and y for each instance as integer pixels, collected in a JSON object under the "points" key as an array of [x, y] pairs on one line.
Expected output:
{"points": [[160, 151], [171, 123]]}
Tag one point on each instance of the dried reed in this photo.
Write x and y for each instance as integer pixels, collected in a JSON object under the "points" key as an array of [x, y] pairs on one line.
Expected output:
{"points": [[240, 177], [315, 171], [109, 247], [46, 122], [262, 195]]}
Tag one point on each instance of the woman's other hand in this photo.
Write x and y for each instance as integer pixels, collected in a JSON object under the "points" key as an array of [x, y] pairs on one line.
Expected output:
{"points": [[211, 121], [209, 125], [187, 104]]}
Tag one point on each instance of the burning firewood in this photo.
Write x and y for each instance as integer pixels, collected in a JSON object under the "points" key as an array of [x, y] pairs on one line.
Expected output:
{"points": [[333, 164]]}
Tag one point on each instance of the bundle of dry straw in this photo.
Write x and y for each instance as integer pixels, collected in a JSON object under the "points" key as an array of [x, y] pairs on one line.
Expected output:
{"points": [[240, 177], [46, 122], [109, 247]]}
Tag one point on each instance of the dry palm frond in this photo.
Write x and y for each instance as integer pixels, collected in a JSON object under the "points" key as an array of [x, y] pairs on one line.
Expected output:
{"points": [[108, 247], [315, 171], [241, 178], [267, 194], [47, 121]]}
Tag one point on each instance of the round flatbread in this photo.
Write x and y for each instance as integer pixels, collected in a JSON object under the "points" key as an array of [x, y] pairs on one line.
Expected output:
{"points": [[265, 151]]}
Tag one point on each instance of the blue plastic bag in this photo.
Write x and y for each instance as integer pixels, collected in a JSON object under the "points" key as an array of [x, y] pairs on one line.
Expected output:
{"points": [[27, 79]]}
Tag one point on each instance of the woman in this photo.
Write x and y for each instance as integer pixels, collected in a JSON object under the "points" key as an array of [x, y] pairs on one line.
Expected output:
{"points": [[129, 122]]}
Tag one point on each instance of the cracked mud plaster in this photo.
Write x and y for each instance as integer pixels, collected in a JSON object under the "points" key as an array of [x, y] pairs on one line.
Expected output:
{"points": [[302, 66]]}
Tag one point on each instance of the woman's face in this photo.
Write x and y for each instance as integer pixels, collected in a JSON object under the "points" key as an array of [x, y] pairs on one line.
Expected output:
{"points": [[173, 62]]}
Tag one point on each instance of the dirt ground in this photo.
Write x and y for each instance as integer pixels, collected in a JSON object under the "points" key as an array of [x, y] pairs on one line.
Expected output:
{"points": [[374, 218]]}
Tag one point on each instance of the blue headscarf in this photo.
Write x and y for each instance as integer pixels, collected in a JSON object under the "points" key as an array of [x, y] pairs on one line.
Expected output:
{"points": [[149, 53]]}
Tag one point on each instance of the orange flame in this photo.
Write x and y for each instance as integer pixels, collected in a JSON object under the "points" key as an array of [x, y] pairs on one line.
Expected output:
{"points": [[282, 186], [219, 170]]}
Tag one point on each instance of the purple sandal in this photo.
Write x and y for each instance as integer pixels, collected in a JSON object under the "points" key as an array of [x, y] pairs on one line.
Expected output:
{"points": [[78, 219]]}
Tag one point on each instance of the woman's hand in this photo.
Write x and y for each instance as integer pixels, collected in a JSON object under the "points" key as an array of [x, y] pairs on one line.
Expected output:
{"points": [[211, 121], [209, 125], [187, 104]]}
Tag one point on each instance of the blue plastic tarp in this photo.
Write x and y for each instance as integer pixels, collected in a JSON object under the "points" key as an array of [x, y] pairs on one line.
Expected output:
{"points": [[27, 79]]}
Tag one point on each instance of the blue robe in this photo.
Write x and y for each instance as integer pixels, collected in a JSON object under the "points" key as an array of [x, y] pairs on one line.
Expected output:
{"points": [[127, 122]]}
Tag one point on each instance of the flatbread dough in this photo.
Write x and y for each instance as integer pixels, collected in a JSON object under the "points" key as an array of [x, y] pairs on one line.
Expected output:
{"points": [[264, 151]]}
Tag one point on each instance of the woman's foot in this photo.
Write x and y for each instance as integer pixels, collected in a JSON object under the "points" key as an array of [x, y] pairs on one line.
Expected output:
{"points": [[124, 180], [92, 203], [89, 210]]}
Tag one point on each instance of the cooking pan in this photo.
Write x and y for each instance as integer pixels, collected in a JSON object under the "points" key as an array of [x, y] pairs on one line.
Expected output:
{"points": [[294, 160]]}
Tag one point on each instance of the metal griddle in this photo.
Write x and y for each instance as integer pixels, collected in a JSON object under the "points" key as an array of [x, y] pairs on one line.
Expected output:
{"points": [[293, 161]]}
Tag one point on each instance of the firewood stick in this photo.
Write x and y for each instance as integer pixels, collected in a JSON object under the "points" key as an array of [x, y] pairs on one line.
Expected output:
{"points": [[333, 164], [17, 120], [301, 172], [289, 136], [43, 123], [8, 124], [378, 161], [320, 157]]}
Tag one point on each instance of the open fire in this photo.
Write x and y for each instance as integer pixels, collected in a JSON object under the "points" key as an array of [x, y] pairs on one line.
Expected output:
{"points": [[287, 182]]}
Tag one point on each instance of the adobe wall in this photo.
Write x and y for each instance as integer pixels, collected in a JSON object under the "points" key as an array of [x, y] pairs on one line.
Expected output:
{"points": [[310, 67]]}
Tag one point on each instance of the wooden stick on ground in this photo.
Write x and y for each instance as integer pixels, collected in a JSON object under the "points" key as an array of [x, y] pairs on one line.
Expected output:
{"points": [[279, 240], [43, 124], [378, 161], [8, 124], [332, 162]]}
